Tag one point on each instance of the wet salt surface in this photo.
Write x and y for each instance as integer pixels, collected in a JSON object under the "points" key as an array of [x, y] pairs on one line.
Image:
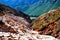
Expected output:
{"points": [[22, 34]]}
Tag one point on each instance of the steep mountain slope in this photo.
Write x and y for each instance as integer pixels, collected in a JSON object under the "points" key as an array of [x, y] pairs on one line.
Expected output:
{"points": [[48, 23], [17, 28]]}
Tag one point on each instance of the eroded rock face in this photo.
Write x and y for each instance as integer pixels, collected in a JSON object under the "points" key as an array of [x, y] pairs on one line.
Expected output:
{"points": [[11, 21], [48, 23], [17, 28]]}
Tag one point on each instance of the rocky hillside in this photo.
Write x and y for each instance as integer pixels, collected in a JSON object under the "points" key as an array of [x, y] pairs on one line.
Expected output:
{"points": [[48, 23], [17, 28], [15, 25]]}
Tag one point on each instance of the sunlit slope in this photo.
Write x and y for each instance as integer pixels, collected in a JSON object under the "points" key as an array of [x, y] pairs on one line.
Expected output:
{"points": [[48, 23]]}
